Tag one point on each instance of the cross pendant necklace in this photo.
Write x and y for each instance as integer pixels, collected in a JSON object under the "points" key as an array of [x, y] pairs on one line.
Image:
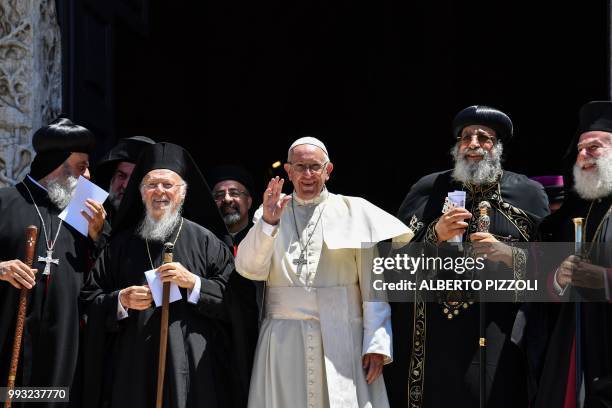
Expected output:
{"points": [[301, 260], [48, 260]]}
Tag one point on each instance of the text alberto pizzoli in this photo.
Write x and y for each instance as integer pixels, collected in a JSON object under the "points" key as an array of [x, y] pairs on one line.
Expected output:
{"points": [[460, 265]]}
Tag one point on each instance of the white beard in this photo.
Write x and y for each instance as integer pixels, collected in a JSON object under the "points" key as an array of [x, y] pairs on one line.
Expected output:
{"points": [[595, 184], [60, 190], [160, 230], [485, 171]]}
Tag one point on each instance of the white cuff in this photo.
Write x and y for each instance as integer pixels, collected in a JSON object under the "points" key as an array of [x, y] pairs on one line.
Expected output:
{"points": [[560, 291], [193, 295], [121, 311], [268, 229], [377, 333]]}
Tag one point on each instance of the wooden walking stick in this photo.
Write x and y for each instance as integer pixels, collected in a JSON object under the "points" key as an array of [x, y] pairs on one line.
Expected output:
{"points": [[31, 235], [163, 335]]}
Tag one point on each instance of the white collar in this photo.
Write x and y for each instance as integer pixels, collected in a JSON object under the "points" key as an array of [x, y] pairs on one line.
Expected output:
{"points": [[316, 200], [37, 183]]}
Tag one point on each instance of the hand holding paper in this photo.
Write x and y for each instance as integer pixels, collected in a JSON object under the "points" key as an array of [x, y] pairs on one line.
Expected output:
{"points": [[85, 192], [451, 225], [457, 198], [157, 288]]}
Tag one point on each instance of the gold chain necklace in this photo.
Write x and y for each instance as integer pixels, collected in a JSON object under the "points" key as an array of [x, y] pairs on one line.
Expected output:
{"points": [[173, 243]]}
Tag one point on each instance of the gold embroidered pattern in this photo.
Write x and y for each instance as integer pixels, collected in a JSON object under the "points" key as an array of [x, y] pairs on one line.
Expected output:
{"points": [[492, 193], [430, 235], [519, 267], [415, 225], [416, 378]]}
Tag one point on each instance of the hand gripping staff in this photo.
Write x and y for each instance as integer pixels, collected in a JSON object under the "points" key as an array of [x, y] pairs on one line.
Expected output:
{"points": [[31, 236]]}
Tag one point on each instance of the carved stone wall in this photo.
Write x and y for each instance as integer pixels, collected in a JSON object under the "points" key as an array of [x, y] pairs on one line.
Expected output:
{"points": [[30, 80]]}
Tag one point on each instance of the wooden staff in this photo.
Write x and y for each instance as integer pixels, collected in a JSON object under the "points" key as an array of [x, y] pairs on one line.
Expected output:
{"points": [[31, 235], [163, 335]]}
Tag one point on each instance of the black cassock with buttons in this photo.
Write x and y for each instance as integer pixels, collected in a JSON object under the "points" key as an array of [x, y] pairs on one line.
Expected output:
{"points": [[436, 343]]}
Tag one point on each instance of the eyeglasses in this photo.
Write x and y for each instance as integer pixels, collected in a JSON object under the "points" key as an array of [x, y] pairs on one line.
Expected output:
{"points": [[165, 186], [315, 168], [233, 193], [483, 138]]}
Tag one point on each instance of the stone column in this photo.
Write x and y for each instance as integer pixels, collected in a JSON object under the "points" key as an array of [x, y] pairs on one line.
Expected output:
{"points": [[30, 80]]}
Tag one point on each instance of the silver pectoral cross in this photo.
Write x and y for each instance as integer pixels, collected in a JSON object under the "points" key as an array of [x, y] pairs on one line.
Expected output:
{"points": [[300, 261], [48, 260]]}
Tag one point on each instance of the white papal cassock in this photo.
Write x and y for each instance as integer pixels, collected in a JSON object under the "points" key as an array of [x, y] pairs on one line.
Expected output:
{"points": [[317, 328]]}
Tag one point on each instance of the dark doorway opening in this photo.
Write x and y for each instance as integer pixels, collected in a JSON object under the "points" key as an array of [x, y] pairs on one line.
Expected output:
{"points": [[378, 82]]}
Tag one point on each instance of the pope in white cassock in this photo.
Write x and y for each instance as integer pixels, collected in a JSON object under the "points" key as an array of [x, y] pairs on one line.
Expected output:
{"points": [[320, 344]]}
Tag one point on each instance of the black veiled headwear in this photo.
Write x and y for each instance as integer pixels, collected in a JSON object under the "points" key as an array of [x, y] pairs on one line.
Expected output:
{"points": [[231, 172], [199, 205], [486, 116], [594, 116], [126, 150], [55, 142]]}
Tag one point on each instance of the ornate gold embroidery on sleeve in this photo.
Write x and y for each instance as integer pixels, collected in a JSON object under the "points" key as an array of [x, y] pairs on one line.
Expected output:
{"points": [[416, 377]]}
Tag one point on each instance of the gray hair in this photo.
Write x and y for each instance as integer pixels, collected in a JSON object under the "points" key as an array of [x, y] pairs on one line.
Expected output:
{"points": [[483, 172]]}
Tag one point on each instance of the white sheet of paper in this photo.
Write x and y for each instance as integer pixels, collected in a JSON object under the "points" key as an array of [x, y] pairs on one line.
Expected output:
{"points": [[72, 214], [157, 288], [457, 197]]}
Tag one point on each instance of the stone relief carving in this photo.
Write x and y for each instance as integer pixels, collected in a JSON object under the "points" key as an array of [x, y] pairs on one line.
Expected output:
{"points": [[30, 80]]}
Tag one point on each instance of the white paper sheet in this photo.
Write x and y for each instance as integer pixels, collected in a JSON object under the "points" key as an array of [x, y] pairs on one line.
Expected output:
{"points": [[72, 214], [457, 197], [157, 288]]}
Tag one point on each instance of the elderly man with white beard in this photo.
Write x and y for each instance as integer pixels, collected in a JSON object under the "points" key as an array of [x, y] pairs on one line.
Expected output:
{"points": [[115, 168], [167, 200], [61, 263], [436, 343], [588, 351]]}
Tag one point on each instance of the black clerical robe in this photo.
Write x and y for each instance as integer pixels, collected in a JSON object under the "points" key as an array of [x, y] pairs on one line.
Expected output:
{"points": [[554, 325], [243, 305], [436, 361], [50, 350], [197, 367]]}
